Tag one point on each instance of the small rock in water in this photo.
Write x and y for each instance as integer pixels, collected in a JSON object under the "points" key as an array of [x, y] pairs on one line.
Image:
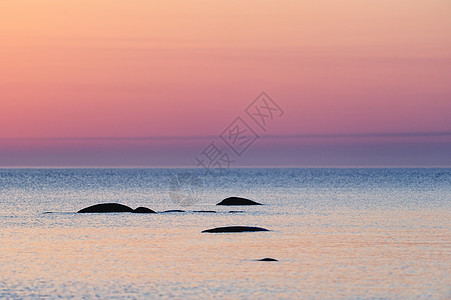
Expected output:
{"points": [[235, 229], [106, 208], [237, 201], [143, 210], [235, 211], [173, 210], [267, 259], [205, 211]]}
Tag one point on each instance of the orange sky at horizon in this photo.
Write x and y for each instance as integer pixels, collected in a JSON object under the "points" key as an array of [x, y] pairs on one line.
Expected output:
{"points": [[188, 68]]}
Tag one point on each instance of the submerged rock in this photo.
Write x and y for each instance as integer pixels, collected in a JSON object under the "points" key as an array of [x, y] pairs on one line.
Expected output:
{"points": [[237, 201], [205, 211], [235, 211], [235, 229], [267, 259], [106, 208], [143, 210], [173, 211]]}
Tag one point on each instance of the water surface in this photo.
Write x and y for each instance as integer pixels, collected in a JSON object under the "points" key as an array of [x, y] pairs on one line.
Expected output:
{"points": [[337, 233]]}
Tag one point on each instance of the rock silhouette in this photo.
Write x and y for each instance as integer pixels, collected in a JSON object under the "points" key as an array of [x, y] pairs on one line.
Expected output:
{"points": [[144, 210], [173, 211], [204, 211], [267, 259], [234, 229], [106, 208], [237, 201]]}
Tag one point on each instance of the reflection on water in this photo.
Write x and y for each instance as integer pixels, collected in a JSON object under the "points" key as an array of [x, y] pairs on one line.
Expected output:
{"points": [[349, 249]]}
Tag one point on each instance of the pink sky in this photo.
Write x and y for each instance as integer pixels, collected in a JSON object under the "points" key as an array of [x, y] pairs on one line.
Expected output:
{"points": [[131, 69]]}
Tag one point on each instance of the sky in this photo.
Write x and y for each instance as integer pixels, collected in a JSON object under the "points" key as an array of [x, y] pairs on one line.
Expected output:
{"points": [[156, 83]]}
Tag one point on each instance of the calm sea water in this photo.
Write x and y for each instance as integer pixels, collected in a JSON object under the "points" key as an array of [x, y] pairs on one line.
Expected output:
{"points": [[337, 233]]}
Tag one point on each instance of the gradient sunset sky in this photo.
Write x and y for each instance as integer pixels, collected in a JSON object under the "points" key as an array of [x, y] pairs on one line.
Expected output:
{"points": [[152, 83]]}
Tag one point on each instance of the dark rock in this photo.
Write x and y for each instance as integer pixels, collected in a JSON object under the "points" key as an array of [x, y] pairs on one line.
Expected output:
{"points": [[235, 229], [205, 211], [106, 208], [173, 210], [235, 211], [144, 210], [267, 259], [237, 201]]}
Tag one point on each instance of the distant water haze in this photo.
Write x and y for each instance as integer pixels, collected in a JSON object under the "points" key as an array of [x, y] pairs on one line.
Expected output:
{"points": [[376, 149]]}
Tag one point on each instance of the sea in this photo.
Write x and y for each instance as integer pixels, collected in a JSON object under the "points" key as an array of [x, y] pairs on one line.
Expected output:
{"points": [[336, 233]]}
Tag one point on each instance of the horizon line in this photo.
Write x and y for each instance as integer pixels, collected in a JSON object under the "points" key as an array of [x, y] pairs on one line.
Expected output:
{"points": [[269, 136], [231, 168]]}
